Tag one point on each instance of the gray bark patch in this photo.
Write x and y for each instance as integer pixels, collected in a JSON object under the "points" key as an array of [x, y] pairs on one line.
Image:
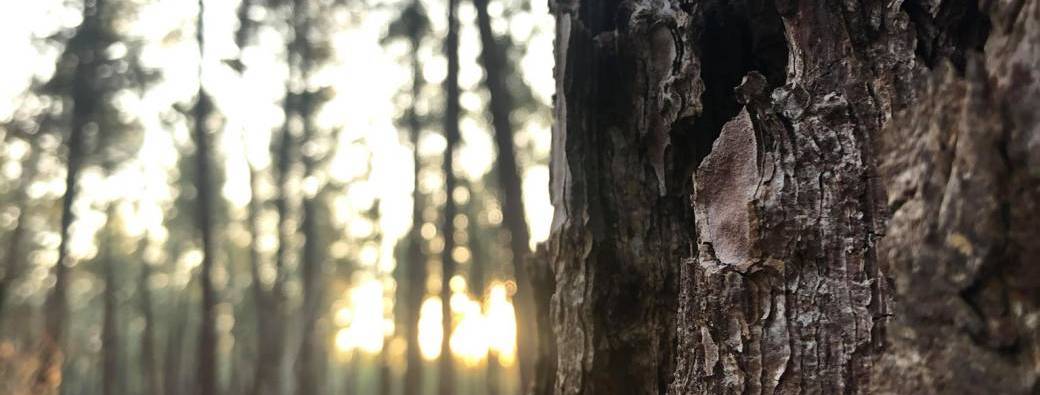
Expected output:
{"points": [[723, 186]]}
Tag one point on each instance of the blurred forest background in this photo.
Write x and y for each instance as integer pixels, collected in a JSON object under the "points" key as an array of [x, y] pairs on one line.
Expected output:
{"points": [[270, 196]]}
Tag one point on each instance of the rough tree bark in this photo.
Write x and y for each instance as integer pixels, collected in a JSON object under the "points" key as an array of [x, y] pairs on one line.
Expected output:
{"points": [[451, 133], [719, 205], [962, 170]]}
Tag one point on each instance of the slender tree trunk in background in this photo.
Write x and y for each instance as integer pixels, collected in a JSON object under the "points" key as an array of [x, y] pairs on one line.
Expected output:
{"points": [[152, 378], [307, 381], [451, 133], [261, 299], [480, 263], [238, 335], [110, 347], [246, 26], [543, 286], [208, 335], [306, 371], [493, 59], [385, 375], [14, 259], [265, 366], [416, 269], [352, 375], [173, 373], [275, 311], [206, 379], [718, 205], [276, 314], [416, 275], [84, 109], [493, 376]]}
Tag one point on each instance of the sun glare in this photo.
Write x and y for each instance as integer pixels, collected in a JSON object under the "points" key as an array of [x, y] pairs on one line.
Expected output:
{"points": [[478, 329], [469, 340], [430, 331], [365, 325], [501, 324]]}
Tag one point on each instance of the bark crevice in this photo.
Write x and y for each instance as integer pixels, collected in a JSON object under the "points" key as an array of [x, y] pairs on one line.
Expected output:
{"points": [[947, 29], [736, 38]]}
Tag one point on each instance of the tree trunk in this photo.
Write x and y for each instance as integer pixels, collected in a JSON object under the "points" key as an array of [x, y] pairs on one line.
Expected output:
{"points": [[85, 104], [174, 373], [493, 59], [451, 133], [416, 270], [311, 267], [275, 310], [961, 169], [206, 380], [149, 363], [385, 375], [14, 259], [264, 370], [718, 204], [307, 373], [283, 159], [109, 330]]}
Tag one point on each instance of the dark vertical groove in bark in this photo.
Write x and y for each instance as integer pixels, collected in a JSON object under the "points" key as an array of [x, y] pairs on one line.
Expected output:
{"points": [[206, 383], [494, 61], [451, 132], [416, 270], [948, 31]]}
